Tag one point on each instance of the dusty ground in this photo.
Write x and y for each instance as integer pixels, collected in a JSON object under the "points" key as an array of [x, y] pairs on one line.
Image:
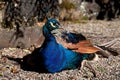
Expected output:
{"points": [[97, 31]]}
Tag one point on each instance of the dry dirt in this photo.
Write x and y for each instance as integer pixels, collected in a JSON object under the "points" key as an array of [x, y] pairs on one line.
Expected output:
{"points": [[97, 32]]}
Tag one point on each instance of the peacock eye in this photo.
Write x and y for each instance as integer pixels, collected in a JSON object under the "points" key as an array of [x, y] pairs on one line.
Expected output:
{"points": [[54, 24]]}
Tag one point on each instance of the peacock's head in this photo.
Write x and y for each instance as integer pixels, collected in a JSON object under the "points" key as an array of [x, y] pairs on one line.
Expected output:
{"points": [[52, 24]]}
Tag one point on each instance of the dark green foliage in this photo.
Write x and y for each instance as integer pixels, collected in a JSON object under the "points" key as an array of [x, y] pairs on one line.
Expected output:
{"points": [[2, 0], [67, 5], [25, 12], [108, 9], [7, 24]]}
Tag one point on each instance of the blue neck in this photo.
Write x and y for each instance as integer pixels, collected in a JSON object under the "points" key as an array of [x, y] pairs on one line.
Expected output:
{"points": [[46, 32], [48, 35]]}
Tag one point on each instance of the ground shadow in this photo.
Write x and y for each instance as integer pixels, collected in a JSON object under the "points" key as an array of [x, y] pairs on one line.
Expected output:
{"points": [[31, 62]]}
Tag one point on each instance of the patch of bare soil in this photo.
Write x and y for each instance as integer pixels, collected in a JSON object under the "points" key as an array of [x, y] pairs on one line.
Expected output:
{"points": [[97, 32]]}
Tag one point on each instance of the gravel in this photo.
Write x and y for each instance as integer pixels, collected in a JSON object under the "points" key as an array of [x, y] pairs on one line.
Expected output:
{"points": [[97, 31]]}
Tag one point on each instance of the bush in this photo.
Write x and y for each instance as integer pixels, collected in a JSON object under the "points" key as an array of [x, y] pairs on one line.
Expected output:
{"points": [[67, 5]]}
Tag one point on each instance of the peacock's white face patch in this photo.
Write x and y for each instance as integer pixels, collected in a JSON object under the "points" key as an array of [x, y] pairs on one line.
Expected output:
{"points": [[52, 25]]}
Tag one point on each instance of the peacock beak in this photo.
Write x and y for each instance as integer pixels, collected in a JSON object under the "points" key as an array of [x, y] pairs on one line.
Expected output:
{"points": [[61, 27]]}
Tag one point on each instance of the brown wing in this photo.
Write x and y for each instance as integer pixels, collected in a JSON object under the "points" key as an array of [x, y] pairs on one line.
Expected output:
{"points": [[83, 47]]}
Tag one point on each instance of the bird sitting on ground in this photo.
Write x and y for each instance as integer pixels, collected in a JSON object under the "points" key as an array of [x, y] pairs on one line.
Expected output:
{"points": [[53, 56]]}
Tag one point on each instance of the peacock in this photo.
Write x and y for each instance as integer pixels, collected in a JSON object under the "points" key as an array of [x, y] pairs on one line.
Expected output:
{"points": [[51, 56], [54, 57]]}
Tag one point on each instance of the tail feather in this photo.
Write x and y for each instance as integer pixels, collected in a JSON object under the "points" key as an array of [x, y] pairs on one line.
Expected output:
{"points": [[113, 52], [106, 51]]}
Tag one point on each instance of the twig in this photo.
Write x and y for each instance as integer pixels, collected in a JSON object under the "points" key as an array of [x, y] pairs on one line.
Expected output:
{"points": [[110, 43]]}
